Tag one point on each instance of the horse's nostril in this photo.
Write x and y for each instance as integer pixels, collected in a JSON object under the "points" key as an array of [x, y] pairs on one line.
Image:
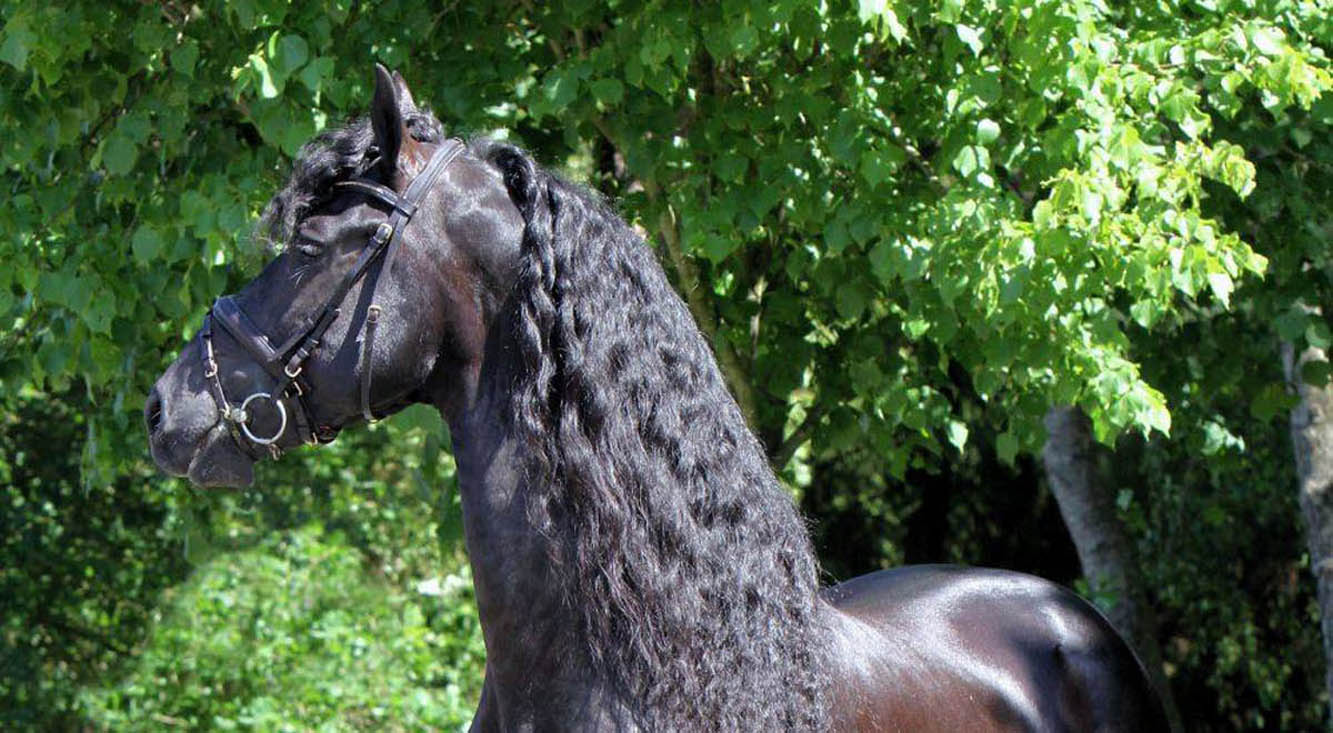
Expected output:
{"points": [[152, 411]]}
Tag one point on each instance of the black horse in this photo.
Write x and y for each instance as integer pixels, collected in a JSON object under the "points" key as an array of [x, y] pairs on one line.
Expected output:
{"points": [[637, 564]]}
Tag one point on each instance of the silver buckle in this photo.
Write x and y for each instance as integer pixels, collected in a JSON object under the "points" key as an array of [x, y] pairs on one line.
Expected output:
{"points": [[383, 232]]}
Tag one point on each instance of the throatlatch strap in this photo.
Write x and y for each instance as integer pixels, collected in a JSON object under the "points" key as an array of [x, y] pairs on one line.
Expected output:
{"points": [[367, 354], [398, 219]]}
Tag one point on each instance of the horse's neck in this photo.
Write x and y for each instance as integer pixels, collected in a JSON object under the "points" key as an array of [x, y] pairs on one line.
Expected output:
{"points": [[537, 668], [515, 591]]}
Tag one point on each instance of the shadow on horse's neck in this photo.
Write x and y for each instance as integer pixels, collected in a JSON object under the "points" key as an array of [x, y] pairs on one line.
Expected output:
{"points": [[528, 625]]}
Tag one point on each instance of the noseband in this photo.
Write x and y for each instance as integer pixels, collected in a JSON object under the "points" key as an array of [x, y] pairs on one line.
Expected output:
{"points": [[286, 362]]}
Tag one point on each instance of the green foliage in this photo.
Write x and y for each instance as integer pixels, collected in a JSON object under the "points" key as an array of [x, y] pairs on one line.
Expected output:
{"points": [[290, 630], [327, 599], [81, 566], [908, 229]]}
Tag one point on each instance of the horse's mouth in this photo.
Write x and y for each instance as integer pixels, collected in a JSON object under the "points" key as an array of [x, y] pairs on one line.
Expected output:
{"points": [[212, 461], [219, 462]]}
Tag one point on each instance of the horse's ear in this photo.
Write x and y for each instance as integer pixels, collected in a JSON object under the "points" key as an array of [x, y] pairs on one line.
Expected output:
{"points": [[386, 119], [405, 101]]}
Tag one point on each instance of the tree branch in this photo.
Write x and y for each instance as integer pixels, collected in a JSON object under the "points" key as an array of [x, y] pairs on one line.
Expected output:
{"points": [[784, 452], [687, 275]]}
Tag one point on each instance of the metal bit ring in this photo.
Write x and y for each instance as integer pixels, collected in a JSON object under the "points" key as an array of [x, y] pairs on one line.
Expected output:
{"points": [[282, 413]]}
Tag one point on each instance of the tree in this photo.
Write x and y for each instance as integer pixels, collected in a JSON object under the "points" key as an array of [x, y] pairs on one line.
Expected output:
{"points": [[1106, 551], [909, 230]]}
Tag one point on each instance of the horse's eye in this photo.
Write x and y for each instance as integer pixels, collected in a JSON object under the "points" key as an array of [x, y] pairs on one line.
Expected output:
{"points": [[308, 248], [306, 244]]}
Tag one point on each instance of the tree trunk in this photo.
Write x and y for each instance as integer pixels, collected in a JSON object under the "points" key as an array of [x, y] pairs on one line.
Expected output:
{"points": [[1312, 444], [1105, 550]]}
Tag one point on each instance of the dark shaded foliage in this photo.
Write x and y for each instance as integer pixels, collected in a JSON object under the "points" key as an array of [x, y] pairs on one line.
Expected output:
{"points": [[80, 566]]}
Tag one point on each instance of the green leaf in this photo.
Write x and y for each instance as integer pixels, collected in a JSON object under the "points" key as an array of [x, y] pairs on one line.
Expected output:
{"points": [[560, 89], [146, 244], [744, 40], [1221, 284], [1291, 324], [730, 166], [971, 159], [119, 154], [883, 259], [1316, 372], [420, 417], [608, 91], [63, 288], [852, 299], [880, 15], [54, 356], [1145, 312], [1124, 498], [987, 131], [17, 44], [1267, 40], [965, 162], [185, 56], [291, 54], [1006, 447], [971, 37], [99, 311], [1318, 335], [1269, 401], [316, 73], [269, 87], [716, 248], [876, 168], [957, 434]]}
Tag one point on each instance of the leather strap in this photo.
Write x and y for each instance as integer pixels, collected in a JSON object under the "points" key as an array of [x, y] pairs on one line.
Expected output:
{"points": [[416, 190], [367, 354], [286, 362]]}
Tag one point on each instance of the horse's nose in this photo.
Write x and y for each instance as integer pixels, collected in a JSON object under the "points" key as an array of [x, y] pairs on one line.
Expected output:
{"points": [[152, 411]]}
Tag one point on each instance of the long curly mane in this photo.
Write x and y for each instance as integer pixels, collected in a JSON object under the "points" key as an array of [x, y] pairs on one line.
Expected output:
{"points": [[691, 565]]}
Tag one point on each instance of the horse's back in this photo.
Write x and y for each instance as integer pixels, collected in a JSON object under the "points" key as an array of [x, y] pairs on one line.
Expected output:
{"points": [[940, 647]]}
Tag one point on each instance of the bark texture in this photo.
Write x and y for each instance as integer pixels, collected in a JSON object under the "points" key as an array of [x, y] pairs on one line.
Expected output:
{"points": [[1312, 444], [1105, 550]]}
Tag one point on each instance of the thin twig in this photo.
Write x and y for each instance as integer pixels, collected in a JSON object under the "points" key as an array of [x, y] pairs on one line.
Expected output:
{"points": [[783, 454]]}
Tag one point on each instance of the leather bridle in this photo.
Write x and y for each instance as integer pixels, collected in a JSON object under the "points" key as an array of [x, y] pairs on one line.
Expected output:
{"points": [[286, 362]]}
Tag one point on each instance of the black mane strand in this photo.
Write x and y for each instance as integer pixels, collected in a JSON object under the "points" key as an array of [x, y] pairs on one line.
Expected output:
{"points": [[691, 566]]}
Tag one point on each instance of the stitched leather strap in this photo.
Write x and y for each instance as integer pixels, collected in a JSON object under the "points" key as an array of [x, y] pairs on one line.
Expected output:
{"points": [[416, 191]]}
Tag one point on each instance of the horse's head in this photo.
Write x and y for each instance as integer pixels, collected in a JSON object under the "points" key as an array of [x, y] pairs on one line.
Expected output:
{"points": [[398, 248]]}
